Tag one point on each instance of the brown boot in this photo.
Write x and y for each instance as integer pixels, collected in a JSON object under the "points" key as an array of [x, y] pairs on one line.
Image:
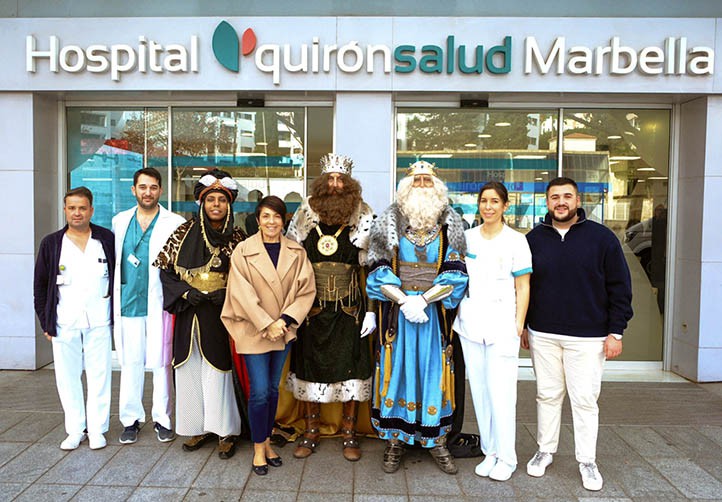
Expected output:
{"points": [[195, 442], [309, 441], [351, 448], [226, 447]]}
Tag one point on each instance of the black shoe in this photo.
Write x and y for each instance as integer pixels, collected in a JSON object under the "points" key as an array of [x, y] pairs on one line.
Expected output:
{"points": [[130, 434], [261, 470], [274, 462], [164, 435]]}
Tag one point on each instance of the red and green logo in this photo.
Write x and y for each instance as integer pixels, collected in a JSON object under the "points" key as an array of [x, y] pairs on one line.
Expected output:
{"points": [[227, 47]]}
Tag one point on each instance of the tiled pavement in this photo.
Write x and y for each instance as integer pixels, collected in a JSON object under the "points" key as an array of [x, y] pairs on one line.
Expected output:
{"points": [[658, 442]]}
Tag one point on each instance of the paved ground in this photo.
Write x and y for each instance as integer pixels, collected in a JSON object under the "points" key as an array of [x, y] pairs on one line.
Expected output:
{"points": [[658, 442]]}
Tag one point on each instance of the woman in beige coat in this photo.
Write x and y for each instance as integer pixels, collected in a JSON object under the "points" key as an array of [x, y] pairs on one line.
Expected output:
{"points": [[271, 288]]}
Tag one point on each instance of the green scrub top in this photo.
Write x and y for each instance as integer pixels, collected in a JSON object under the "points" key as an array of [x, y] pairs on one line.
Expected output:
{"points": [[134, 276]]}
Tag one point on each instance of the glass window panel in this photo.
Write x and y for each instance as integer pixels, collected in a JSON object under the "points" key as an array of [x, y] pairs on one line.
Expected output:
{"points": [[620, 159], [106, 146], [263, 149], [471, 147], [320, 140]]}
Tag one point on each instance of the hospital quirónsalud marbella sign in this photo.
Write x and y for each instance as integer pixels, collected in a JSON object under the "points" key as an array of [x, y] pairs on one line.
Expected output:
{"points": [[675, 56]]}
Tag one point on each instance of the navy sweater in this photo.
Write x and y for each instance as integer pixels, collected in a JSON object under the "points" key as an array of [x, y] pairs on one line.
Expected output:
{"points": [[47, 265], [581, 284]]}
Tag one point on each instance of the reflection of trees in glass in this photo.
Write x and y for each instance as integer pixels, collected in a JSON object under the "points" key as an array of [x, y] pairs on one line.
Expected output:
{"points": [[460, 131], [147, 133], [442, 131]]}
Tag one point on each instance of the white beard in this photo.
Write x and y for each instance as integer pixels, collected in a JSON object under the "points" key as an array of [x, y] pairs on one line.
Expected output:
{"points": [[422, 206]]}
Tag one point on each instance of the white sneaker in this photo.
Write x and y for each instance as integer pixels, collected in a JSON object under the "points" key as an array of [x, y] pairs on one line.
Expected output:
{"points": [[96, 441], [485, 467], [591, 479], [501, 471], [72, 441], [538, 464]]}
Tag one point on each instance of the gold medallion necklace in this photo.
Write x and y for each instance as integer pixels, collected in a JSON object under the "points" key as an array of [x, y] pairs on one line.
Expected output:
{"points": [[327, 244]]}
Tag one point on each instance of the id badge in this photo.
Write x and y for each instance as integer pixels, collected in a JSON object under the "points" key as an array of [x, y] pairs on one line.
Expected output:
{"points": [[133, 260]]}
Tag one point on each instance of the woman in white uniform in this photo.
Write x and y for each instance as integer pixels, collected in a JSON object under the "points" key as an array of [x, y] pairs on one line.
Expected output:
{"points": [[489, 322]]}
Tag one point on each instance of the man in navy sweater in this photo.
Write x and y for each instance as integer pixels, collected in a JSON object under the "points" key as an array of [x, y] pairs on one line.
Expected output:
{"points": [[73, 284], [580, 303]]}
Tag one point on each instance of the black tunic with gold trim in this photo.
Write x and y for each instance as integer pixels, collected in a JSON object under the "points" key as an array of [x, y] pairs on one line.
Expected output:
{"points": [[176, 280], [330, 362]]}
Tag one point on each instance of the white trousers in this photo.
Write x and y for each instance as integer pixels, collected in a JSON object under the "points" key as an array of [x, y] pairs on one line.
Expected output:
{"points": [[576, 366], [492, 371], [205, 398], [132, 378], [73, 349]]}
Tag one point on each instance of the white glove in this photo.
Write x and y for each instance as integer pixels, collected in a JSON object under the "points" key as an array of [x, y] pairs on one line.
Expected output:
{"points": [[369, 324], [413, 309]]}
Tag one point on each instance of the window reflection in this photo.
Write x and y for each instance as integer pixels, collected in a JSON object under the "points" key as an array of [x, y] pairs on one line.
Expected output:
{"points": [[105, 147], [471, 147], [619, 158], [262, 149], [266, 150], [622, 165]]}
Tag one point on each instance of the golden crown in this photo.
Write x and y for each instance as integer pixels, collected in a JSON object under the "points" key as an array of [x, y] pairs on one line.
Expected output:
{"points": [[421, 167], [333, 163]]}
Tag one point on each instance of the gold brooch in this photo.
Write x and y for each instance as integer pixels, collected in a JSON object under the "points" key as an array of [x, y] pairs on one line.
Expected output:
{"points": [[402, 403], [432, 410], [389, 403], [411, 406]]}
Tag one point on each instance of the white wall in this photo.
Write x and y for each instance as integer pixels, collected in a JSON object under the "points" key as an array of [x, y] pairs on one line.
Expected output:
{"points": [[45, 184], [364, 131], [17, 247], [709, 359], [697, 328]]}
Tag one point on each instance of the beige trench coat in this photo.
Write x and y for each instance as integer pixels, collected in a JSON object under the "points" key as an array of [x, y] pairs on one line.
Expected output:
{"points": [[258, 293]]}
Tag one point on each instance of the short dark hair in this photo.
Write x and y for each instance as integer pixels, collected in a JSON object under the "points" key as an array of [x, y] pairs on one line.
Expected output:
{"points": [[79, 192], [562, 180], [498, 187], [274, 204], [148, 171]]}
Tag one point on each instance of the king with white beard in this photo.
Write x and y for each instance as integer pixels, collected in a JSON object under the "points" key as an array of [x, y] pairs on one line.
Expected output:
{"points": [[418, 275]]}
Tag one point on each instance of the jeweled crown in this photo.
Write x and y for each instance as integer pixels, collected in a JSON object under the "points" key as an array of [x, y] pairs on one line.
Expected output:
{"points": [[334, 163], [421, 167]]}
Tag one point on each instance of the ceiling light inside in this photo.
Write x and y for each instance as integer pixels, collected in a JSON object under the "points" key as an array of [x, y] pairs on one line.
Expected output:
{"points": [[625, 157]]}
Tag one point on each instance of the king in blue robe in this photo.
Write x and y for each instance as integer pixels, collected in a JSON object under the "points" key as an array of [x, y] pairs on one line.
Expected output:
{"points": [[418, 276]]}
